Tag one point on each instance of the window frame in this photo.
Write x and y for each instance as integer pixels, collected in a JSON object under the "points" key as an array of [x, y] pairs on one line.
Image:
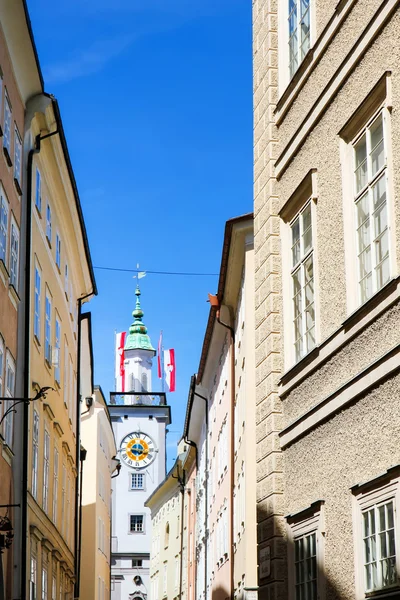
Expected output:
{"points": [[35, 453], [37, 302], [8, 423], [365, 496], [49, 232], [135, 532], [17, 158], [58, 251], [57, 348], [14, 254], [137, 488], [382, 173], [48, 327], [4, 210], [299, 525], [38, 191], [7, 120], [46, 471]]}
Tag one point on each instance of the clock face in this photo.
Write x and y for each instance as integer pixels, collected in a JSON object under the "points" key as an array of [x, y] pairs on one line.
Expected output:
{"points": [[137, 450]]}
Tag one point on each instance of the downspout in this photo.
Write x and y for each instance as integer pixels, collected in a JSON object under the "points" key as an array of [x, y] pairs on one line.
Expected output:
{"points": [[232, 436], [26, 393], [182, 487], [78, 487]]}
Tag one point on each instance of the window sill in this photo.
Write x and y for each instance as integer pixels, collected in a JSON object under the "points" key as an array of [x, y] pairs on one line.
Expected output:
{"points": [[14, 293], [392, 592], [352, 326], [7, 453], [17, 186], [48, 241], [7, 156]]}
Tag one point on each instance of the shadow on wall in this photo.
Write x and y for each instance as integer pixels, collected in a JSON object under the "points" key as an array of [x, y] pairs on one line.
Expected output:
{"points": [[221, 593], [280, 584], [88, 577]]}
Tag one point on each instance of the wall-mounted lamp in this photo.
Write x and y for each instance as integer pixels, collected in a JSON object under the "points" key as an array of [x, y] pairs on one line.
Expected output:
{"points": [[89, 404], [41, 394], [115, 466]]}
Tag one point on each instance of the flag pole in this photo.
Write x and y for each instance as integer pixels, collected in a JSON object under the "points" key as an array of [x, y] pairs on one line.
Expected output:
{"points": [[162, 367]]}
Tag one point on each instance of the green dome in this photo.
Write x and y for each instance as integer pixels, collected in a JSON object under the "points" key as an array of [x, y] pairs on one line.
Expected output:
{"points": [[138, 338]]}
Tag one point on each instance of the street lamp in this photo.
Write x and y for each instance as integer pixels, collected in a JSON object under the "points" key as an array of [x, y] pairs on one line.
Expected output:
{"points": [[41, 394], [116, 466]]}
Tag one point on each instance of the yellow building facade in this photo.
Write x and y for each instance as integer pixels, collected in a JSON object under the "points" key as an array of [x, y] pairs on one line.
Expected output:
{"points": [[60, 279], [97, 438]]}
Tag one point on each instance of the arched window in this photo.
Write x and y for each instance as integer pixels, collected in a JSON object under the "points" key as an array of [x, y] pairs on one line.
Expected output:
{"points": [[166, 535], [144, 382]]}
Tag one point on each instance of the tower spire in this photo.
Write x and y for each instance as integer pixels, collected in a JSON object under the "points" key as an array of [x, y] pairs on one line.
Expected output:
{"points": [[138, 339]]}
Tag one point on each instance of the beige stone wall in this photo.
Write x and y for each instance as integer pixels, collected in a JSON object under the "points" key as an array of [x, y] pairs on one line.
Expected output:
{"points": [[267, 303]]}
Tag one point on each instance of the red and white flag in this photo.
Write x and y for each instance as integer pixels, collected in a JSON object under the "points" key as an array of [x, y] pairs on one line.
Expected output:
{"points": [[169, 369], [159, 350], [120, 361]]}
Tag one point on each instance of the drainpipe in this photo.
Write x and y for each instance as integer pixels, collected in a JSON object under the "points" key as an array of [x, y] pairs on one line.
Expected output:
{"points": [[182, 489], [78, 484], [26, 393]]}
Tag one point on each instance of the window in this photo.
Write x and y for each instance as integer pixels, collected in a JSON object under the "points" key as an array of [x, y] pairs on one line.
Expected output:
{"points": [[136, 562], [3, 226], [48, 223], [35, 453], [17, 157], [38, 196], [137, 481], [144, 382], [32, 576], [66, 286], [63, 492], [302, 275], [57, 348], [376, 530], [44, 581], [65, 379], [165, 578], [299, 32], [7, 126], [136, 523], [58, 252], [47, 337], [176, 572], [305, 553], [1, 367], [166, 539], [38, 283], [8, 423], [54, 585], [370, 198], [14, 255], [55, 486], [46, 467]]}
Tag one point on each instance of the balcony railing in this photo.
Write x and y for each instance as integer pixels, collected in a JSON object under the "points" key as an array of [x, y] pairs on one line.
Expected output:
{"points": [[138, 398]]}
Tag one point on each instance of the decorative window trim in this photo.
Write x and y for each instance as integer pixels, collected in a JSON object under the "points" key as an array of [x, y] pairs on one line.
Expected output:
{"points": [[305, 193], [307, 521], [385, 487], [14, 253], [143, 531], [17, 160], [378, 100]]}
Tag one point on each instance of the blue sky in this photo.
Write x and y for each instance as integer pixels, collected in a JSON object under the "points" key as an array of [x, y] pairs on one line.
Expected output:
{"points": [[156, 100]]}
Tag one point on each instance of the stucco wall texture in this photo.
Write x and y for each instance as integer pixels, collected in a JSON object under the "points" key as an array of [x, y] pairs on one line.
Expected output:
{"points": [[337, 455]]}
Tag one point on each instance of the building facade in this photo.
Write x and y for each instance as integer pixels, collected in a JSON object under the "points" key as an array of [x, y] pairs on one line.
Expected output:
{"points": [[20, 78], [326, 184], [59, 277], [221, 413], [139, 417], [98, 440]]}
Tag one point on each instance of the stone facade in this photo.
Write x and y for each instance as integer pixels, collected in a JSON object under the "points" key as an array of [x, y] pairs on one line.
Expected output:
{"points": [[330, 446]]}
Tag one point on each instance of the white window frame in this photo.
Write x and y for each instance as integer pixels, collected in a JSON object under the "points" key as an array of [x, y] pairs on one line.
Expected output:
{"points": [[284, 74], [57, 348], [37, 302], [4, 218], [46, 470], [7, 123], [48, 223], [375, 493], [66, 284], [17, 155], [383, 173], [47, 328], [137, 477], [134, 531], [56, 466], [38, 191], [14, 254], [8, 423], [63, 498], [35, 453], [58, 251], [2, 363], [300, 525]]}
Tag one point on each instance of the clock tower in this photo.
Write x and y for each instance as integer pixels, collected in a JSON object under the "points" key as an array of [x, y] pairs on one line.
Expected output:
{"points": [[139, 418]]}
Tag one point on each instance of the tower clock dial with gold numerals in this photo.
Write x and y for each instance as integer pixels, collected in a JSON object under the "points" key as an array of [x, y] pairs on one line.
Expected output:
{"points": [[137, 450]]}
